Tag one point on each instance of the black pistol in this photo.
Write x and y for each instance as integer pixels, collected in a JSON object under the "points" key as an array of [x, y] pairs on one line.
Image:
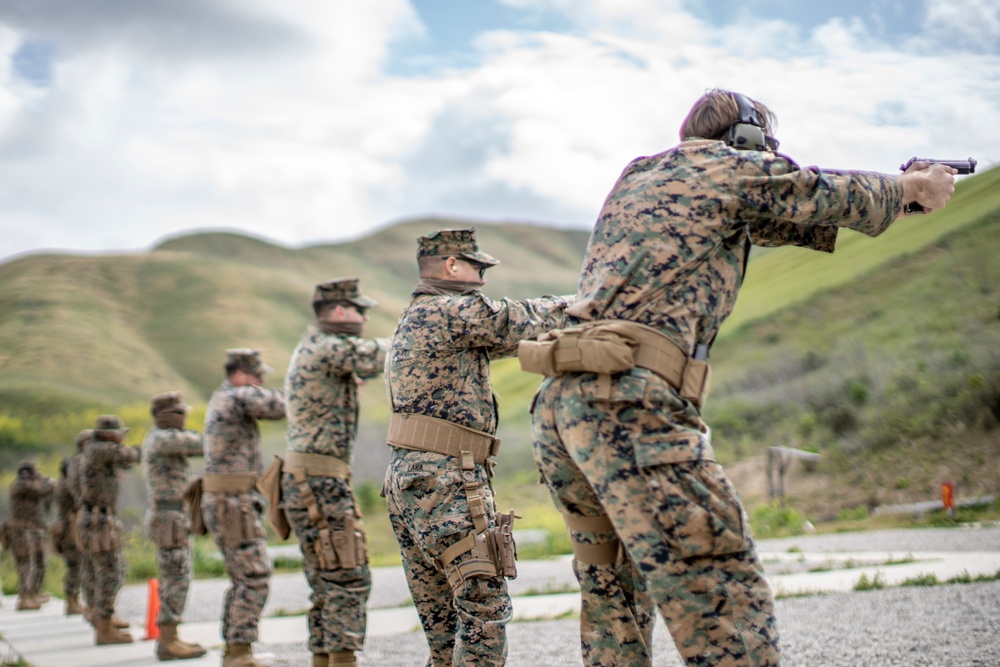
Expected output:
{"points": [[967, 166]]}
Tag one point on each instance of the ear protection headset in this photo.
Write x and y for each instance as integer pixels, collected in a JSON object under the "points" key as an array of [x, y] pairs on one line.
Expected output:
{"points": [[748, 132]]}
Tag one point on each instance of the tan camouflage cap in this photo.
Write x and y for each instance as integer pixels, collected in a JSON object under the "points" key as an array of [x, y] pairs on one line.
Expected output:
{"points": [[109, 423], [343, 289], [247, 360], [168, 401], [454, 242]]}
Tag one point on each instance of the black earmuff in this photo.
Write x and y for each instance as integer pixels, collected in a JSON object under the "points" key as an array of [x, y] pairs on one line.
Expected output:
{"points": [[748, 132]]}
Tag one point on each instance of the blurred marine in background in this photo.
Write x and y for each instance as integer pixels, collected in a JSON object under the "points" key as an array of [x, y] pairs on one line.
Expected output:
{"points": [[166, 450], [24, 532], [231, 504], [98, 527]]}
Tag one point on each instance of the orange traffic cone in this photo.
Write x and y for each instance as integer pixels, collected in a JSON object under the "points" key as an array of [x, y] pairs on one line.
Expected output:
{"points": [[153, 610]]}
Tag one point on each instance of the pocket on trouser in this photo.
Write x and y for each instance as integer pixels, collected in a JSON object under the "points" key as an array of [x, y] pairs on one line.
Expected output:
{"points": [[170, 531], [696, 507], [20, 545], [252, 562]]}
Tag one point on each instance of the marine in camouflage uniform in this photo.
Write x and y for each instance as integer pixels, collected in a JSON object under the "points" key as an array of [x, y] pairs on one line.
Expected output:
{"points": [[626, 455], [321, 389], [166, 449], [231, 504], [99, 529], [64, 540], [30, 497], [73, 466], [438, 367]]}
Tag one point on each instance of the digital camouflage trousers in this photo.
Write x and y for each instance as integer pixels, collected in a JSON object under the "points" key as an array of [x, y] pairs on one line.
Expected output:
{"points": [[616, 450], [247, 563], [429, 512], [337, 620]]}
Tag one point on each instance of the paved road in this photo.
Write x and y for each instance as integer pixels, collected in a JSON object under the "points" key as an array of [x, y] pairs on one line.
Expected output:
{"points": [[955, 625]]}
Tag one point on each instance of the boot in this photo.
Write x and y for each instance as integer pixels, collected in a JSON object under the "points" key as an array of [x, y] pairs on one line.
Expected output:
{"points": [[321, 660], [105, 633], [27, 602], [171, 648], [73, 606], [238, 655], [343, 659], [119, 623]]}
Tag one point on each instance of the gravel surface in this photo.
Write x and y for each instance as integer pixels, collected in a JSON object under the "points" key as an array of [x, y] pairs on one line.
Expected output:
{"points": [[954, 625]]}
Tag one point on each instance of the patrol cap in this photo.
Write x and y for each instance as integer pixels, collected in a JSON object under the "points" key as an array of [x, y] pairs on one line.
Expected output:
{"points": [[454, 242], [109, 423], [246, 360], [343, 289], [169, 401]]}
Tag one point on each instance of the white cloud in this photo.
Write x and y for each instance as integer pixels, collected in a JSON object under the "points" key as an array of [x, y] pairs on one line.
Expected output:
{"points": [[971, 24], [284, 121]]}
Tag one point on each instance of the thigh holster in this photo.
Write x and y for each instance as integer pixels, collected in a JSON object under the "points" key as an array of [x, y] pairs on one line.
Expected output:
{"points": [[492, 551], [335, 549], [596, 553], [105, 533]]}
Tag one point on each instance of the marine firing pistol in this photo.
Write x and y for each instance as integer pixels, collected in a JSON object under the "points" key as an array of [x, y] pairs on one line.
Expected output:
{"points": [[967, 166]]}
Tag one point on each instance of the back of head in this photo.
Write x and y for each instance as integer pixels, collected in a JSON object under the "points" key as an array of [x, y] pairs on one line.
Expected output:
{"points": [[340, 291], [109, 428], [246, 360], [168, 401], [26, 470], [716, 111]]}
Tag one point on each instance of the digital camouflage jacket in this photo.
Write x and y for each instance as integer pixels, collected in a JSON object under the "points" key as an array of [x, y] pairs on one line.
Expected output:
{"points": [[669, 245], [232, 436], [165, 452], [321, 390], [439, 361], [102, 459]]}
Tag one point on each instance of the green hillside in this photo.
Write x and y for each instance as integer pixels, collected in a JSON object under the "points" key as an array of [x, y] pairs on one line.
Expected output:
{"points": [[887, 345]]}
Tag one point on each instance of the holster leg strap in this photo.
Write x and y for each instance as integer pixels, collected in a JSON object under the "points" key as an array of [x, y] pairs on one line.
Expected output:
{"points": [[592, 553]]}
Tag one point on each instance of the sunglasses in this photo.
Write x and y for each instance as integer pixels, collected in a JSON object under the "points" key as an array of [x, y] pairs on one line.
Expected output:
{"points": [[479, 266]]}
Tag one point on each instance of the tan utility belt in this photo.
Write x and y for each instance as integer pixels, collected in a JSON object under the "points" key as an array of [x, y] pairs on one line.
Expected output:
{"points": [[430, 434], [613, 346], [228, 482], [23, 524], [318, 465]]}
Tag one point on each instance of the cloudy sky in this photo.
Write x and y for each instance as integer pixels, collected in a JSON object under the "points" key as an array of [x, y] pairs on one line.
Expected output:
{"points": [[305, 121]]}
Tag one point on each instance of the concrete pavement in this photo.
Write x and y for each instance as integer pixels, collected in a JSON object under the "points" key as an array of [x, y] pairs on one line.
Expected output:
{"points": [[46, 638]]}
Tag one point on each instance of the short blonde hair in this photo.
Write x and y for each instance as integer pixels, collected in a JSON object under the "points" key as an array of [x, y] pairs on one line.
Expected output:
{"points": [[715, 111]]}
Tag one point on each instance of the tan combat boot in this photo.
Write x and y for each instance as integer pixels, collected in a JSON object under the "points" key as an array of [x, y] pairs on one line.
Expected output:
{"points": [[27, 603], [238, 655], [105, 633], [73, 606], [343, 659], [119, 623], [170, 647], [321, 660]]}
